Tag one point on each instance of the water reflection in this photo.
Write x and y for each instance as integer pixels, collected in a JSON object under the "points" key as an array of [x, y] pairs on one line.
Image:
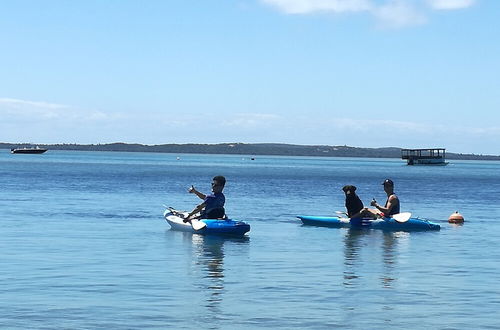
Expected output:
{"points": [[388, 257], [357, 239], [209, 252], [351, 252]]}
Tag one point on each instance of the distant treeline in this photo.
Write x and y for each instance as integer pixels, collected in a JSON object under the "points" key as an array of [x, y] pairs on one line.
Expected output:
{"points": [[275, 149]]}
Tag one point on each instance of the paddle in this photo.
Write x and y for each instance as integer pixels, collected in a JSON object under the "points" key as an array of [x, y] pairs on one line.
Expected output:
{"points": [[401, 217], [196, 224]]}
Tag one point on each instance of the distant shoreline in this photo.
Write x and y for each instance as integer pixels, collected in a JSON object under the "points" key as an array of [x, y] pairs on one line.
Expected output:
{"points": [[269, 149]]}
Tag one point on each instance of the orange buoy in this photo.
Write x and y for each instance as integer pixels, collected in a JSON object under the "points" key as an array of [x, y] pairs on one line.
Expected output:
{"points": [[456, 218]]}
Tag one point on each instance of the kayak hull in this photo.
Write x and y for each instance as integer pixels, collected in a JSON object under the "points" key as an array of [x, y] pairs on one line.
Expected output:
{"points": [[224, 227], [388, 224]]}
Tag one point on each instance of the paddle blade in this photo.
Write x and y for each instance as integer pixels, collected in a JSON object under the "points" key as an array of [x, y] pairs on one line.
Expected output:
{"points": [[198, 225], [402, 217]]}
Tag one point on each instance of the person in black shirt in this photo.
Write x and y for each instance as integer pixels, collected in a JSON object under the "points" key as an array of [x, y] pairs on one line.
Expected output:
{"points": [[392, 205]]}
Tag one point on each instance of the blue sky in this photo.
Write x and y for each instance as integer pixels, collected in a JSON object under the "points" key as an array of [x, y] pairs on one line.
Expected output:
{"points": [[364, 73]]}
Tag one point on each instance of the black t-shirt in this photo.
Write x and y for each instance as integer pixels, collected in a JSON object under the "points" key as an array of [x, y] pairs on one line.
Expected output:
{"points": [[353, 204], [395, 209]]}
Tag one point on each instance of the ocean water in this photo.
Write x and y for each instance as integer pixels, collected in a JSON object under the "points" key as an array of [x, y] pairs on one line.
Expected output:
{"points": [[84, 245]]}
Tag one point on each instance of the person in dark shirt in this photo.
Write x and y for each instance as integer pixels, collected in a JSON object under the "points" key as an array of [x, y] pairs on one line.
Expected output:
{"points": [[353, 204], [392, 205], [213, 204]]}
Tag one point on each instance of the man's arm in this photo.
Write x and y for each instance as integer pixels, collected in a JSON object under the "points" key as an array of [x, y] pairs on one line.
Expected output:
{"points": [[200, 195], [390, 205], [193, 212]]}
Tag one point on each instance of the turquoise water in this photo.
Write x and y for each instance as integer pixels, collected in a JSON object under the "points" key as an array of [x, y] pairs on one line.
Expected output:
{"points": [[84, 245]]}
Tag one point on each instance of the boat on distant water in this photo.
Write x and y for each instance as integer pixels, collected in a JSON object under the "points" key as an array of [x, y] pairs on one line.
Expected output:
{"points": [[429, 156], [25, 150]]}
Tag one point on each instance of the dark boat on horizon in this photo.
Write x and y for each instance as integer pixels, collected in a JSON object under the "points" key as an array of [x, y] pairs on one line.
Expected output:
{"points": [[36, 150]]}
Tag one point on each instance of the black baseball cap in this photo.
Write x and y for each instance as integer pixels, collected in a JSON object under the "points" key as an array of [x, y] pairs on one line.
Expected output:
{"points": [[388, 182]]}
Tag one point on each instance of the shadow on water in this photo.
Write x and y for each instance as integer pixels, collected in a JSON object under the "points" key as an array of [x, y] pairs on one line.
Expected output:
{"points": [[354, 242], [209, 253]]}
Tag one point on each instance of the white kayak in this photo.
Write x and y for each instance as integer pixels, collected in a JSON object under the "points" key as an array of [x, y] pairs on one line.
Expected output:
{"points": [[176, 221], [205, 226]]}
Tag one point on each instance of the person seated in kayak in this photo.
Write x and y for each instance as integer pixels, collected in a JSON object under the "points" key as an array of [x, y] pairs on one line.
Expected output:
{"points": [[391, 206], [353, 204], [213, 204]]}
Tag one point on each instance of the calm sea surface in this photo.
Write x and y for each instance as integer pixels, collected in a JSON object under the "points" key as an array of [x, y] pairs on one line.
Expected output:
{"points": [[84, 245]]}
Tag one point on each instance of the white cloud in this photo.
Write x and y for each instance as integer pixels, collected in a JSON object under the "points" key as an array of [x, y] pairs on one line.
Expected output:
{"points": [[389, 13], [398, 14], [186, 127], [450, 4], [375, 133], [380, 127], [375, 125], [245, 120], [19, 105], [311, 6], [25, 110]]}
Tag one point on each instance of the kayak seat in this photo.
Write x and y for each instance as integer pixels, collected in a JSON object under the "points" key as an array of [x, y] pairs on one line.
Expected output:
{"points": [[217, 213]]}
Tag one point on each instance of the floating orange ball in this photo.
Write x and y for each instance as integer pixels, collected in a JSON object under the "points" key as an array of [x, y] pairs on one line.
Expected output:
{"points": [[456, 218]]}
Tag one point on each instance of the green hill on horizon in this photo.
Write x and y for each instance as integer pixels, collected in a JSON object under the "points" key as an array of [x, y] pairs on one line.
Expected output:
{"points": [[275, 149]]}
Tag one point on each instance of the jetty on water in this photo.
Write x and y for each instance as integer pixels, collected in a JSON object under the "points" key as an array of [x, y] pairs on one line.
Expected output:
{"points": [[429, 156]]}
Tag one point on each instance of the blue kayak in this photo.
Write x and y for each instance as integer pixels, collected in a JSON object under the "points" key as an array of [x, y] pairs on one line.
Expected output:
{"points": [[226, 227], [389, 224]]}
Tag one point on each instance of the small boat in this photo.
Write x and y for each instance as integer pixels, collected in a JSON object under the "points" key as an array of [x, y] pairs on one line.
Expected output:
{"points": [[226, 227], [388, 224], [429, 156], [35, 150]]}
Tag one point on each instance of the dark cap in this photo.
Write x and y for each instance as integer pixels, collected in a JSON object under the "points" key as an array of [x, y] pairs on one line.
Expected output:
{"points": [[388, 182]]}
